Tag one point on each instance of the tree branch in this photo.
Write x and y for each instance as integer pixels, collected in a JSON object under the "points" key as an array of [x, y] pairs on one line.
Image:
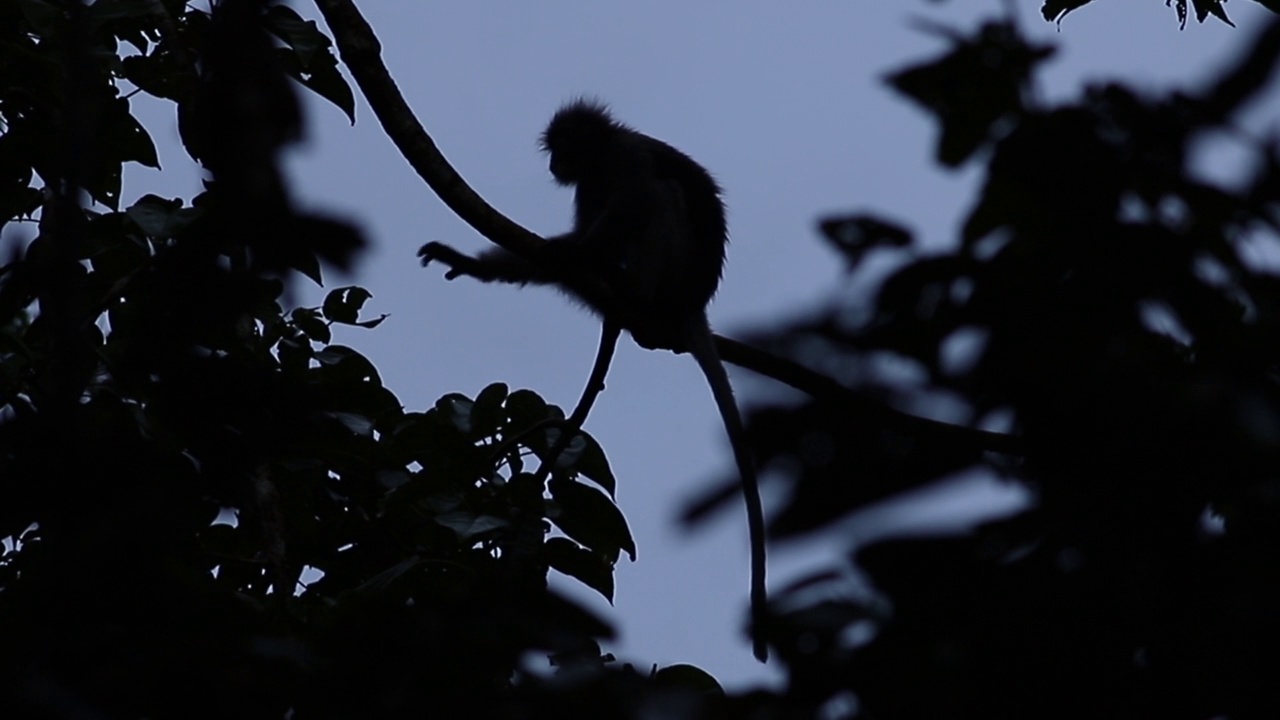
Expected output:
{"points": [[362, 53]]}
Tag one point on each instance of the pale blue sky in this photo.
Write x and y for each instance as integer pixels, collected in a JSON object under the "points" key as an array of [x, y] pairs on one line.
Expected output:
{"points": [[784, 103]]}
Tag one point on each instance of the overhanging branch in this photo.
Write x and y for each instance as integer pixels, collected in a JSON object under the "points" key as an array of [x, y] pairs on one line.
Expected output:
{"points": [[362, 53]]}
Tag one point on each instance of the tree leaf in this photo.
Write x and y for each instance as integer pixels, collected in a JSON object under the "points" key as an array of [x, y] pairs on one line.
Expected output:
{"points": [[590, 568], [689, 677], [159, 218], [468, 526], [487, 413], [593, 465], [345, 363], [588, 516], [342, 305], [309, 322], [309, 58], [525, 409]]}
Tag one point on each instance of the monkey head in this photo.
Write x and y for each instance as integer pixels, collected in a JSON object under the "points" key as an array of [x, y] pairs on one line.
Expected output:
{"points": [[580, 141]]}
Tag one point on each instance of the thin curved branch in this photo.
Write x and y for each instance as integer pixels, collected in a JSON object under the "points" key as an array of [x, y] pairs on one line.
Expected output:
{"points": [[789, 372], [362, 54]]}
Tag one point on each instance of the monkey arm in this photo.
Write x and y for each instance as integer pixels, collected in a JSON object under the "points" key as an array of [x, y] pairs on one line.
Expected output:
{"points": [[494, 265], [559, 261]]}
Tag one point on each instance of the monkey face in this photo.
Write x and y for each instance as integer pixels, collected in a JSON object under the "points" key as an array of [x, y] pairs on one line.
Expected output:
{"points": [[562, 170], [578, 140]]}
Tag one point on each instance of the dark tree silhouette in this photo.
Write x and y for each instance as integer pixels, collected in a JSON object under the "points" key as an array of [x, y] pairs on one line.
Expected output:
{"points": [[1102, 305], [210, 509]]}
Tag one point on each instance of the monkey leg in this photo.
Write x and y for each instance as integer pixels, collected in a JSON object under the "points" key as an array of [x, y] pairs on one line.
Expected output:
{"points": [[609, 332]]}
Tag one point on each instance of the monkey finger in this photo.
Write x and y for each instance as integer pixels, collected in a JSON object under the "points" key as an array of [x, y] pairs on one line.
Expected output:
{"points": [[435, 251]]}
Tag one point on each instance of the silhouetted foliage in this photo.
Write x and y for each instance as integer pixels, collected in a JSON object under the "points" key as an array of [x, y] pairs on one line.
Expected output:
{"points": [[211, 509], [1056, 10], [1115, 312]]}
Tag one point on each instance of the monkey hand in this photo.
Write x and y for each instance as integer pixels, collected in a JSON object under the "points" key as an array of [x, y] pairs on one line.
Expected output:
{"points": [[459, 263]]}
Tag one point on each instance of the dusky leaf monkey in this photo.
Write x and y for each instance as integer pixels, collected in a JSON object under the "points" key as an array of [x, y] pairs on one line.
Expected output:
{"points": [[646, 252]]}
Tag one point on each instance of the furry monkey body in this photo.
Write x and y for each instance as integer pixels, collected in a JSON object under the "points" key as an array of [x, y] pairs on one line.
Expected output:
{"points": [[646, 252]]}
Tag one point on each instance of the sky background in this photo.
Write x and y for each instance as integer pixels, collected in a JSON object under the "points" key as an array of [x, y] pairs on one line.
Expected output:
{"points": [[785, 104]]}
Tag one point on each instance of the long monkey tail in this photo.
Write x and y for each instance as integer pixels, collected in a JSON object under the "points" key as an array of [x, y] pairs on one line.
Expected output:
{"points": [[703, 348]]}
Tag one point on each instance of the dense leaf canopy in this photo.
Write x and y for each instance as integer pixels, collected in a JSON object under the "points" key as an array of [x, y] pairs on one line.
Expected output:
{"points": [[210, 508]]}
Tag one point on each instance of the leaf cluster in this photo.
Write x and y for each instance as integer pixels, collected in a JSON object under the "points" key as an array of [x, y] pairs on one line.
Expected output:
{"points": [[210, 506], [1056, 10]]}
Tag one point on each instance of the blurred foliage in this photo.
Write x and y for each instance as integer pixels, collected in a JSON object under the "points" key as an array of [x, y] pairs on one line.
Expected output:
{"points": [[210, 508], [1121, 316]]}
